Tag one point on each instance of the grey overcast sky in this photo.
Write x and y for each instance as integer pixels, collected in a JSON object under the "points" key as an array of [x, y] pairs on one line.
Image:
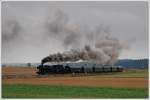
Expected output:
{"points": [[25, 27]]}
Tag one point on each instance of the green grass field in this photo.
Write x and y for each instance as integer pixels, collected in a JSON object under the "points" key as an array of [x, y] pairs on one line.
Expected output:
{"points": [[45, 91], [139, 73]]}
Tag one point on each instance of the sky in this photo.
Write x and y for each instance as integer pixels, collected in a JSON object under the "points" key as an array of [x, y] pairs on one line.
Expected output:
{"points": [[32, 30]]}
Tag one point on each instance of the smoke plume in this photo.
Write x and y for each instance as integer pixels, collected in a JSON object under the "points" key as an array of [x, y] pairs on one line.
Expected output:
{"points": [[12, 33], [90, 44]]}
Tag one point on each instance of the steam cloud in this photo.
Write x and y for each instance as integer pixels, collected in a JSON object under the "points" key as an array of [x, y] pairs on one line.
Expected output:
{"points": [[96, 45]]}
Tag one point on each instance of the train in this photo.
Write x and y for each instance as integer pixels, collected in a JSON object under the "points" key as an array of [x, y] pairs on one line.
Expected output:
{"points": [[76, 67]]}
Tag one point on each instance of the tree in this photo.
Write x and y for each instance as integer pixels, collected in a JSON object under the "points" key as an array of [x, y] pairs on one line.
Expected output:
{"points": [[29, 64]]}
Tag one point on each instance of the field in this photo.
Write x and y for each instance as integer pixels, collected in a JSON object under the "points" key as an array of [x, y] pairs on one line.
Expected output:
{"points": [[24, 83], [45, 91]]}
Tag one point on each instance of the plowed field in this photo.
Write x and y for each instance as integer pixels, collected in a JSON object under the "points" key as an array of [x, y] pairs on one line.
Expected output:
{"points": [[17, 75]]}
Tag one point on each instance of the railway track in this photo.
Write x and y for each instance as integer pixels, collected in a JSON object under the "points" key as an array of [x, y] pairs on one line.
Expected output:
{"points": [[62, 75], [25, 76]]}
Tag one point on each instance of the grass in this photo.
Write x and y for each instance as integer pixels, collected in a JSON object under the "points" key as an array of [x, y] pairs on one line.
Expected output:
{"points": [[131, 73], [45, 91], [136, 73]]}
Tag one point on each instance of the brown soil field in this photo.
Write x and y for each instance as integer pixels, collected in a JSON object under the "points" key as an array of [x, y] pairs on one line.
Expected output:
{"points": [[18, 70], [30, 77]]}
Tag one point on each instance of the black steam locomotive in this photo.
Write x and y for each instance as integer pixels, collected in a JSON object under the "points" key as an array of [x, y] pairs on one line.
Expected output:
{"points": [[76, 67]]}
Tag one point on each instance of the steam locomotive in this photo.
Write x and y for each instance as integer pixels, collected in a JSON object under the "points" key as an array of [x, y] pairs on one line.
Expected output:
{"points": [[75, 67]]}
